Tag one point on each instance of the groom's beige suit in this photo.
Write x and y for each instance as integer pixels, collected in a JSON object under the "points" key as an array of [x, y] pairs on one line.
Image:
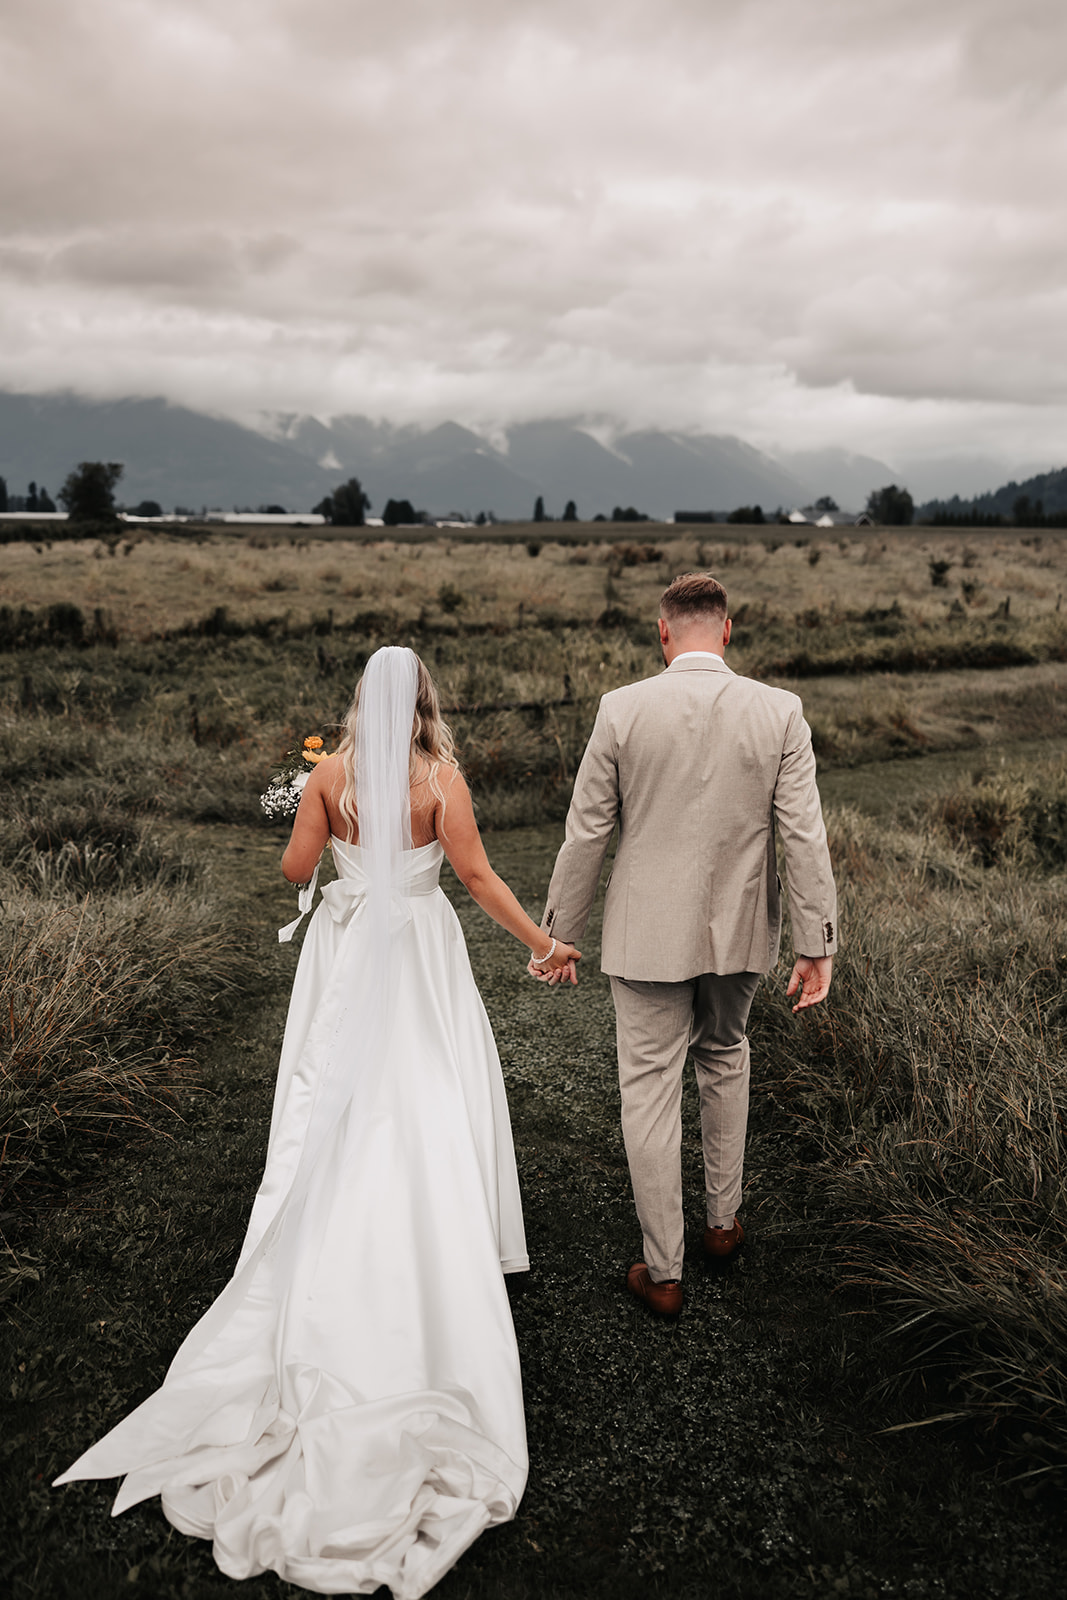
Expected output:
{"points": [[698, 768]]}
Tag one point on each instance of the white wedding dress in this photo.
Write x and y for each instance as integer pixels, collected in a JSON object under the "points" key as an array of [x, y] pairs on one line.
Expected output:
{"points": [[349, 1411]]}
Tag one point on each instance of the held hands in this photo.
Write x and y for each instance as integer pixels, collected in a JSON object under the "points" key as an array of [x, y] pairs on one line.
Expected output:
{"points": [[811, 976], [559, 968]]}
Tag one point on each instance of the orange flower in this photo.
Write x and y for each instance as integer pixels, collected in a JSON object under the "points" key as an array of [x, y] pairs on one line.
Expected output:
{"points": [[312, 742], [315, 756]]}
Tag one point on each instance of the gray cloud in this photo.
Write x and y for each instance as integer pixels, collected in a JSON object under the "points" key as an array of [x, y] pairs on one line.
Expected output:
{"points": [[809, 221]]}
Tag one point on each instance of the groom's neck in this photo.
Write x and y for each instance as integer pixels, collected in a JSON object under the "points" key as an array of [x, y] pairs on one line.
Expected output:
{"points": [[712, 641]]}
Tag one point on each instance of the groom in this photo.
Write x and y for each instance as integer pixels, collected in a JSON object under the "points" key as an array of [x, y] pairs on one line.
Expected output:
{"points": [[697, 768]]}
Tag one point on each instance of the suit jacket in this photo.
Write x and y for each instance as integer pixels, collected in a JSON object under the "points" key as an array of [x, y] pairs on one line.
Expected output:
{"points": [[697, 767]]}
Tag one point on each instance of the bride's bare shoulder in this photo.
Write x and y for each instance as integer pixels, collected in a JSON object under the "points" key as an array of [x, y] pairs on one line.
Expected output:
{"points": [[439, 796], [450, 779], [434, 777], [328, 778]]}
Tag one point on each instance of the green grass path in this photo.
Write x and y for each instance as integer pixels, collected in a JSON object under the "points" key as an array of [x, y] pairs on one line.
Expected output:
{"points": [[739, 1452], [882, 788]]}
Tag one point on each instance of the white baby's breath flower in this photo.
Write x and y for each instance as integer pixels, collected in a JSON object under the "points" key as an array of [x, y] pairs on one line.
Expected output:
{"points": [[281, 799]]}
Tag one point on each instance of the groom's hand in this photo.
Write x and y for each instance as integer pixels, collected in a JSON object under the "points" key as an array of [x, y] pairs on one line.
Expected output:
{"points": [[811, 975]]}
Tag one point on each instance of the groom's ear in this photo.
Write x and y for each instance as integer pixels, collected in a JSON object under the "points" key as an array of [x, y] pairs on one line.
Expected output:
{"points": [[727, 629], [664, 631]]}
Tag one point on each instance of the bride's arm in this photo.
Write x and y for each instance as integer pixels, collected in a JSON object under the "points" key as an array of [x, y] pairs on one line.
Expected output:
{"points": [[462, 844], [311, 828]]}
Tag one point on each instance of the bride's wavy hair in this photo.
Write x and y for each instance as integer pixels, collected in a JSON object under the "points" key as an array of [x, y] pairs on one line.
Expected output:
{"points": [[432, 745]]}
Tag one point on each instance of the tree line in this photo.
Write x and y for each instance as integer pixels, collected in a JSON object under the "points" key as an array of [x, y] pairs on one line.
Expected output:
{"points": [[88, 495], [35, 499], [1025, 513]]}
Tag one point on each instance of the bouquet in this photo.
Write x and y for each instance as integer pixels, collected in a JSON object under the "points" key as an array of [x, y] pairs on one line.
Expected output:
{"points": [[282, 795]]}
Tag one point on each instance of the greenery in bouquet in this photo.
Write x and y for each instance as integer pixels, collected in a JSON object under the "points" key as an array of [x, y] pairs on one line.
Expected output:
{"points": [[282, 794]]}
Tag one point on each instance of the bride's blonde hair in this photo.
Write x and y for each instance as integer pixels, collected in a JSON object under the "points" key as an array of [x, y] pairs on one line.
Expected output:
{"points": [[432, 745]]}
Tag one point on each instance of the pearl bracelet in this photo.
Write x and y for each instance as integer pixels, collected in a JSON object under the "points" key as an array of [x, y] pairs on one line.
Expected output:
{"points": [[540, 961]]}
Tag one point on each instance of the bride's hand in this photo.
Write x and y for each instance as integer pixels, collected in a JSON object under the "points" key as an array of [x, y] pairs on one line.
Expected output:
{"points": [[560, 968]]}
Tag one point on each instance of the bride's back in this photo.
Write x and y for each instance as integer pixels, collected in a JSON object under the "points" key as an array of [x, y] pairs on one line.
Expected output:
{"points": [[424, 805]]}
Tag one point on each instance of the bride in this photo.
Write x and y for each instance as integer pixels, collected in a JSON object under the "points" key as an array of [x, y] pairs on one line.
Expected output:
{"points": [[349, 1411]]}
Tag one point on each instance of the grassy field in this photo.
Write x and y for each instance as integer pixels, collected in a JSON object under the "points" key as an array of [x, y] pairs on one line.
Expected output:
{"points": [[148, 584], [874, 1401]]}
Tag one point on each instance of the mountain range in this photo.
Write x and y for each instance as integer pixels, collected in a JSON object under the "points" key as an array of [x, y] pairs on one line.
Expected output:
{"points": [[451, 468], [181, 457]]}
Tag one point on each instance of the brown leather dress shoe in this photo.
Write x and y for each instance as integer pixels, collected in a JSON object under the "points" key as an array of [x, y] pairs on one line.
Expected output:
{"points": [[666, 1298], [722, 1244]]}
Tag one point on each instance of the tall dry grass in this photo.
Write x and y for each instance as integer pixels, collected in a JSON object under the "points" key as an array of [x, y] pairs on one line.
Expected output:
{"points": [[113, 960], [934, 1086]]}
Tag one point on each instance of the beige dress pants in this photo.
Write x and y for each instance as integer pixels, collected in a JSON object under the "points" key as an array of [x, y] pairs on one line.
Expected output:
{"points": [[656, 1025]]}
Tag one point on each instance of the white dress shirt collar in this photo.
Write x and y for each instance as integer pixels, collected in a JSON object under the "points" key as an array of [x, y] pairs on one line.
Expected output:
{"points": [[691, 660]]}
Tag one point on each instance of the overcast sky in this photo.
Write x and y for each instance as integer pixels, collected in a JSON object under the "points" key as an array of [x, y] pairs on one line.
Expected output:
{"points": [[806, 222]]}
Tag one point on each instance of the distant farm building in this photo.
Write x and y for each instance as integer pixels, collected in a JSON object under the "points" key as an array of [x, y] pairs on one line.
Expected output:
{"points": [[809, 517]]}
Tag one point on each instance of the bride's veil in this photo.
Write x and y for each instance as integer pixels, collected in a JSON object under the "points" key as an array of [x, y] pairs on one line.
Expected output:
{"points": [[383, 763]]}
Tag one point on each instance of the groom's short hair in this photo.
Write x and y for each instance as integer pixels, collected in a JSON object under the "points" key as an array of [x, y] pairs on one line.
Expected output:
{"points": [[694, 597]]}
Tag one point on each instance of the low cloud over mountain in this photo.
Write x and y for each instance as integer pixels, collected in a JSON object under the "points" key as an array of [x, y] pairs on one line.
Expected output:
{"points": [[181, 457]]}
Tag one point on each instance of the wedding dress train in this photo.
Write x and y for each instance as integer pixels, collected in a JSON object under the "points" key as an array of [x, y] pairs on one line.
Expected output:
{"points": [[349, 1411]]}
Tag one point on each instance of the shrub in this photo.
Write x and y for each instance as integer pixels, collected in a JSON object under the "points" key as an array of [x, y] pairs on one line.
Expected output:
{"points": [[1015, 816], [89, 847], [636, 555]]}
